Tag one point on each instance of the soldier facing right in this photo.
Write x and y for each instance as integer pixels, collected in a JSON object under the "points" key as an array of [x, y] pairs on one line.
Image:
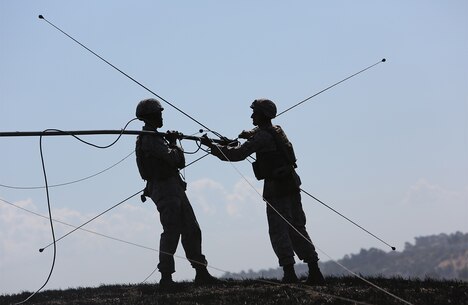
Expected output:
{"points": [[159, 160]]}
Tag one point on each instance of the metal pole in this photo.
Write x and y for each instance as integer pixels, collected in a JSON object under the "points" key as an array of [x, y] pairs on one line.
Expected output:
{"points": [[100, 132]]}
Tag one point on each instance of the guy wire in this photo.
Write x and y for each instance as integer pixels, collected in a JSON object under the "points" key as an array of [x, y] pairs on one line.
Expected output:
{"points": [[54, 243], [97, 216], [169, 253], [48, 200], [81, 228], [41, 17], [70, 182], [306, 288], [308, 240], [102, 213], [340, 214], [131, 78], [323, 203], [331, 86]]}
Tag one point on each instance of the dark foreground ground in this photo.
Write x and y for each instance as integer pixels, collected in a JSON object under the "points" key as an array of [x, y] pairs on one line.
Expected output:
{"points": [[262, 292]]}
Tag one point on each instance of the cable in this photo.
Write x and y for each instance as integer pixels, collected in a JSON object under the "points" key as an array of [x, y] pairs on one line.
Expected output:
{"points": [[104, 212], [70, 182], [80, 228], [194, 152], [307, 288], [196, 160], [54, 243], [99, 215], [92, 144], [329, 87], [308, 240], [98, 173], [51, 226], [323, 203], [178, 109], [332, 209], [131, 78]]}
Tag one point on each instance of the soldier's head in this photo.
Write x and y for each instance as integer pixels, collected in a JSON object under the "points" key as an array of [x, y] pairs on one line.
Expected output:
{"points": [[150, 111], [264, 111]]}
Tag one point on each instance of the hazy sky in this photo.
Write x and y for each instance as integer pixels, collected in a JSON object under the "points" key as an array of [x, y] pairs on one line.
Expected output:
{"points": [[388, 148]]}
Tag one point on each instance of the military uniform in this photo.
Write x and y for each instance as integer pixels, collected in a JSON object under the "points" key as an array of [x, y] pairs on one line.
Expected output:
{"points": [[275, 164], [159, 164]]}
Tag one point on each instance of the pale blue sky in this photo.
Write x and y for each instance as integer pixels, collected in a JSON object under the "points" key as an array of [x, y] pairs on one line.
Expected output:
{"points": [[388, 148]]}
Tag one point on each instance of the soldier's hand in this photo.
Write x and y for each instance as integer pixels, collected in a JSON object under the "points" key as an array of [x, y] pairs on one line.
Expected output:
{"points": [[172, 136], [244, 134], [204, 140]]}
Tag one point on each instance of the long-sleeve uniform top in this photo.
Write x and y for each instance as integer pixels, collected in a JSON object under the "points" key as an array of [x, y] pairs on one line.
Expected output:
{"points": [[159, 164], [260, 141], [281, 193], [162, 163]]}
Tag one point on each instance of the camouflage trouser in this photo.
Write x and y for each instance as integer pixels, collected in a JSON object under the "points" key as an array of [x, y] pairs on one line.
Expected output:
{"points": [[285, 240], [178, 220]]}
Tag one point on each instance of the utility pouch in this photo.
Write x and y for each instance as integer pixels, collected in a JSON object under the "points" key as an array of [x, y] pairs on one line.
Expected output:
{"points": [[270, 165], [257, 171]]}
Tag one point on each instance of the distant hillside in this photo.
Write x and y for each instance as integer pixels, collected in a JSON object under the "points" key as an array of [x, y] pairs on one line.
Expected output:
{"points": [[437, 256]]}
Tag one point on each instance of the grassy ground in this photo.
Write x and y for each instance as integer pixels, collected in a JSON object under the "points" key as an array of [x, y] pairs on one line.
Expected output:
{"points": [[343, 290]]}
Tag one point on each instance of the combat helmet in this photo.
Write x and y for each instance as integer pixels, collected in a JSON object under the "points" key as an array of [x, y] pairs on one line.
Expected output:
{"points": [[264, 106], [147, 107]]}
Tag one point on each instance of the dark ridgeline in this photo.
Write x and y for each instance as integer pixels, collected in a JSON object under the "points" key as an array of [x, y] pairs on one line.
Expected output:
{"points": [[440, 256]]}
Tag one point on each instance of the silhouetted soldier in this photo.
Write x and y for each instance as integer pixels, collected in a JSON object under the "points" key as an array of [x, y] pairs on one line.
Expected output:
{"points": [[276, 163], [159, 160]]}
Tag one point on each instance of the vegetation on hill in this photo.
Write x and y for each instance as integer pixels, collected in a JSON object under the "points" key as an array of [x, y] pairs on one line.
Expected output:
{"points": [[437, 256], [417, 275], [344, 290]]}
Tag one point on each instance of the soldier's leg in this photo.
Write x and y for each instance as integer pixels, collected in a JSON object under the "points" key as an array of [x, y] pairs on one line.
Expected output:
{"points": [[302, 242], [169, 213], [191, 235], [278, 230], [280, 239], [191, 241]]}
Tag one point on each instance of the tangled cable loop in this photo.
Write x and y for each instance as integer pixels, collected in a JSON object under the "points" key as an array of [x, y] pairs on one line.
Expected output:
{"points": [[54, 243]]}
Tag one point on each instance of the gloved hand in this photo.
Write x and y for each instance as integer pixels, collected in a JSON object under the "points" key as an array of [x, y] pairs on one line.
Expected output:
{"points": [[204, 140], [172, 136], [245, 134]]}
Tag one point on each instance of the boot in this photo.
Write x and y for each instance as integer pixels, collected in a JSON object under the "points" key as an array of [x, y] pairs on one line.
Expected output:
{"points": [[203, 277], [315, 277], [289, 275], [166, 281]]}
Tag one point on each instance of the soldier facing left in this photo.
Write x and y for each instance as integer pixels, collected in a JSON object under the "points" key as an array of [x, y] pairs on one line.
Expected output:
{"points": [[159, 159]]}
